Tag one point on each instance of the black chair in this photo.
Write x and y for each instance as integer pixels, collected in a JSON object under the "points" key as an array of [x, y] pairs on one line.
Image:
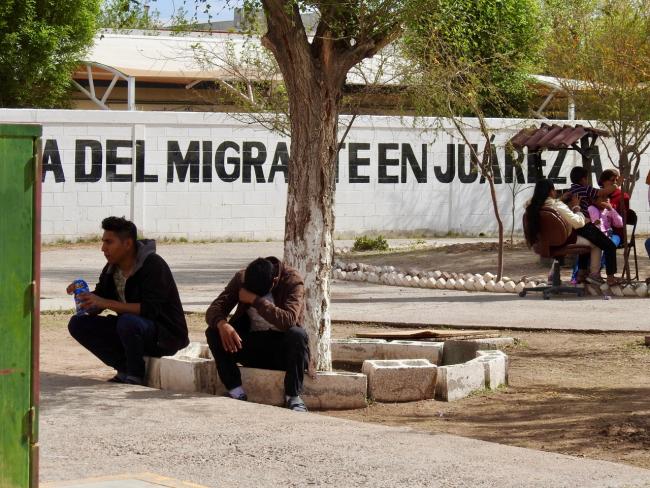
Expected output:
{"points": [[631, 220], [551, 243]]}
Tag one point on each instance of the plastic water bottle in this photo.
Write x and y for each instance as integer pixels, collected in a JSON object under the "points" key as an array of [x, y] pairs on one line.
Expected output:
{"points": [[80, 286]]}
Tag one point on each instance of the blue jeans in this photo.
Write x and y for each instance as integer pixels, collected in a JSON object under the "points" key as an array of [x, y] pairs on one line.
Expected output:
{"points": [[119, 341], [647, 246]]}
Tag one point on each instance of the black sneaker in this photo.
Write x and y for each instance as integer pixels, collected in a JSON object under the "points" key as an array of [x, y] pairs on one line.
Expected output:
{"points": [[118, 378], [296, 404]]}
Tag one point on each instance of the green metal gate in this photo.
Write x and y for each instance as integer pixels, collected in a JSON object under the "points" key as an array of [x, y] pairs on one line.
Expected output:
{"points": [[19, 310]]}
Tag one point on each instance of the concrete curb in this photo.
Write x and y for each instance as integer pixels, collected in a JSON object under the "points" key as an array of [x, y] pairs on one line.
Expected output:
{"points": [[389, 275], [400, 376]]}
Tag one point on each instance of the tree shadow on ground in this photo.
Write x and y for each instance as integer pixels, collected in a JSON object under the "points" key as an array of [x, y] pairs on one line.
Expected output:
{"points": [[73, 392]]}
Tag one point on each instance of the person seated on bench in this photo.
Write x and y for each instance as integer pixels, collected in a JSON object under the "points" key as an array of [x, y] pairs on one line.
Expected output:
{"points": [[265, 331], [138, 286], [588, 195], [544, 195]]}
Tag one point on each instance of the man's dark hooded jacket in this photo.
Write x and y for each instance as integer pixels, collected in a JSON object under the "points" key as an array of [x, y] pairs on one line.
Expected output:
{"points": [[152, 286]]}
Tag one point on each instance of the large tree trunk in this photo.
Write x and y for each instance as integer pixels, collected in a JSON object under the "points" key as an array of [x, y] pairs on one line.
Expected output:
{"points": [[309, 223], [314, 75]]}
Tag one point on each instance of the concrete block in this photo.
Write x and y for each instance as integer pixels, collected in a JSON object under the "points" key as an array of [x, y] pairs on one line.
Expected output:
{"points": [[263, 385], [431, 283], [459, 380], [431, 351], [188, 375], [441, 284], [490, 286], [336, 391], [642, 290], [469, 285], [194, 350], [359, 350], [400, 380], [500, 287], [460, 284], [456, 351], [451, 284], [355, 350], [510, 287], [520, 287], [152, 372], [496, 367], [479, 284]]}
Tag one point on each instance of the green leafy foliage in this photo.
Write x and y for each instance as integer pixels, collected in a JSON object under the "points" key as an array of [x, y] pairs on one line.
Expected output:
{"points": [[601, 54], [503, 38], [128, 14], [41, 42], [365, 243]]}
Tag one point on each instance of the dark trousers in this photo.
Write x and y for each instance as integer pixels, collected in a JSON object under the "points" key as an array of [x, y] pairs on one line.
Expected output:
{"points": [[119, 341], [284, 351], [594, 235]]}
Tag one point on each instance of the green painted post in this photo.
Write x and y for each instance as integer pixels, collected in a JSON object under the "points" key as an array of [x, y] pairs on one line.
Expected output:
{"points": [[19, 277]]}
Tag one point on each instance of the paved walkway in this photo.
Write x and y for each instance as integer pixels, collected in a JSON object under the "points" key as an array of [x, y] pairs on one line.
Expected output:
{"points": [[91, 428], [202, 270]]}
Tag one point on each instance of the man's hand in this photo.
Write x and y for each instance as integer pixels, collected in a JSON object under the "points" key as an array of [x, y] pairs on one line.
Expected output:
{"points": [[92, 302], [246, 297], [230, 339], [606, 205]]}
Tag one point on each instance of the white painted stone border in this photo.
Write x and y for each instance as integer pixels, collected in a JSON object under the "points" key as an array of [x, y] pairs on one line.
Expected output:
{"points": [[414, 278]]}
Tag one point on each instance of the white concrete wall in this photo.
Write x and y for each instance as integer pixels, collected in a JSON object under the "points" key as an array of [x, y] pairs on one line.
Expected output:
{"points": [[204, 206]]}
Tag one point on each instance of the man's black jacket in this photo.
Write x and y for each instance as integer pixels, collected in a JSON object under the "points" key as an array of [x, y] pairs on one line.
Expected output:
{"points": [[152, 286]]}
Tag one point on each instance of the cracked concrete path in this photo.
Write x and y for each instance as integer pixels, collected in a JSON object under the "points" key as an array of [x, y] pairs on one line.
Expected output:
{"points": [[90, 428]]}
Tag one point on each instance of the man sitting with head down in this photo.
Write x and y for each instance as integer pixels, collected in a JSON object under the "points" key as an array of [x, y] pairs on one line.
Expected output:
{"points": [[266, 329], [139, 287]]}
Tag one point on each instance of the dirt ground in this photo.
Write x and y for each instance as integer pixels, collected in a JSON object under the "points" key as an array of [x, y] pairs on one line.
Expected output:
{"points": [[579, 394], [481, 257]]}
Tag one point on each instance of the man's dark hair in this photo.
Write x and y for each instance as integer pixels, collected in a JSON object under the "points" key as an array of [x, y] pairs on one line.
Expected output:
{"points": [[124, 229], [258, 277], [577, 174]]}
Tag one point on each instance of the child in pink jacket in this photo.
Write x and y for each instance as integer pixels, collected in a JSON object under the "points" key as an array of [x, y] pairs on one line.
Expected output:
{"points": [[604, 216]]}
